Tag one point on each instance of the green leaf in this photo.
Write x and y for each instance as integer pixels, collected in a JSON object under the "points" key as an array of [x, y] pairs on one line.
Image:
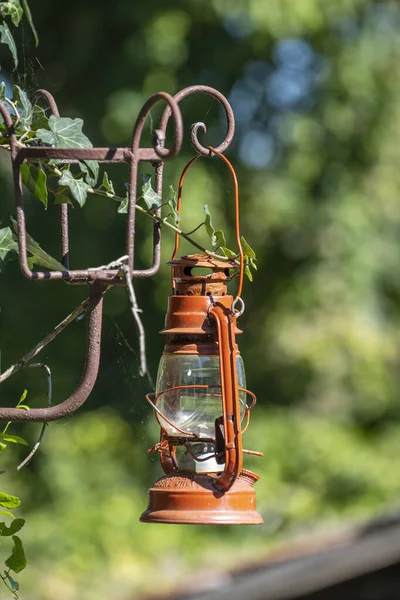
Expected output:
{"points": [[229, 253], [12, 9], [61, 196], [8, 514], [40, 119], [14, 439], [22, 398], [3, 88], [217, 237], [173, 205], [248, 273], [2, 446], [64, 132], [7, 38], [123, 206], [35, 180], [8, 247], [107, 184], [15, 526], [90, 168], [79, 188], [20, 97], [7, 501], [17, 561], [152, 200], [13, 584], [28, 16], [247, 249], [38, 255], [252, 264]]}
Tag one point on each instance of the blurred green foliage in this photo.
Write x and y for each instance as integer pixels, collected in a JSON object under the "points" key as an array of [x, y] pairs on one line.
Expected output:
{"points": [[315, 87]]}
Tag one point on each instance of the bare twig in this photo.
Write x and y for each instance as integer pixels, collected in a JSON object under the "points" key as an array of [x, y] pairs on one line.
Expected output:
{"points": [[46, 340], [112, 265], [28, 459], [143, 369]]}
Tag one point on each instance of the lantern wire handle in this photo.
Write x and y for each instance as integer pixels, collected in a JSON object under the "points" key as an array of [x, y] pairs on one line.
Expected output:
{"points": [[237, 221]]}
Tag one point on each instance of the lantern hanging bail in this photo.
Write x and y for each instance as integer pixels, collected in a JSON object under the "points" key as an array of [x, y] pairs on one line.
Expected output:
{"points": [[237, 226]]}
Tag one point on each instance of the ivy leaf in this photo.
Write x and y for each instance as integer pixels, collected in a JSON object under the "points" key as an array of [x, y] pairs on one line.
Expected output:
{"points": [[7, 38], [123, 206], [61, 196], [35, 180], [3, 88], [248, 273], [14, 439], [217, 237], [79, 188], [8, 247], [22, 398], [28, 16], [152, 200], [40, 119], [39, 257], [12, 9], [107, 184], [64, 132], [26, 114], [247, 249], [228, 253], [173, 204], [7, 501], [15, 526], [17, 561], [90, 168], [253, 264]]}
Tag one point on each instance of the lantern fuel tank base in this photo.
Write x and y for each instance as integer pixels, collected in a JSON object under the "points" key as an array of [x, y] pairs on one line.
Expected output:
{"points": [[193, 500]]}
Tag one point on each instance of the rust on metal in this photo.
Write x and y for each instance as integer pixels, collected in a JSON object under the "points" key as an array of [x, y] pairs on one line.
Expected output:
{"points": [[193, 500], [100, 279], [91, 369]]}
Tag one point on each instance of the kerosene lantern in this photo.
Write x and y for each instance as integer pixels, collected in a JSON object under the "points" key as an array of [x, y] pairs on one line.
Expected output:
{"points": [[200, 400]]}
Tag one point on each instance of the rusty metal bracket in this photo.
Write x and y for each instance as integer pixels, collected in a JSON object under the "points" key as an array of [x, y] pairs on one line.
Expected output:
{"points": [[101, 279]]}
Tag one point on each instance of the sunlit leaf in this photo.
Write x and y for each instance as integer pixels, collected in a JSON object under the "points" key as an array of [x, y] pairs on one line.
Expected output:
{"points": [[8, 501], [13, 10], [90, 169], [29, 18], [35, 180], [3, 89], [107, 184], [7, 38], [14, 439], [20, 97], [78, 187], [217, 237], [8, 247], [38, 255], [64, 132], [152, 200], [247, 249], [173, 205]]}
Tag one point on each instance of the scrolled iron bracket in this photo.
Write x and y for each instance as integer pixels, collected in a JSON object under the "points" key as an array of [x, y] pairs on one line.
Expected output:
{"points": [[99, 280]]}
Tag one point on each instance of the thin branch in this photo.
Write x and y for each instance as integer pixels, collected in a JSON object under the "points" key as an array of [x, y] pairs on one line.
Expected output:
{"points": [[45, 341], [28, 459], [143, 369]]}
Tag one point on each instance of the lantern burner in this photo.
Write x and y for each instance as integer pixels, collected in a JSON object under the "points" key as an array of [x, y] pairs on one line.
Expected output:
{"points": [[200, 275]]}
